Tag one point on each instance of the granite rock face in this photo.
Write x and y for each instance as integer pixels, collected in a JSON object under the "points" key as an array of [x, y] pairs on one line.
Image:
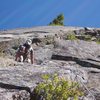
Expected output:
{"points": [[75, 60]]}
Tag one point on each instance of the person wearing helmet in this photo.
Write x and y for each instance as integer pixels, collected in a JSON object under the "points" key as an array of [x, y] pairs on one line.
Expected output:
{"points": [[25, 53]]}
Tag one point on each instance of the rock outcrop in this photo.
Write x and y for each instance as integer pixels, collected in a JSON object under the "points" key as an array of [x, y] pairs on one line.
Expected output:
{"points": [[75, 60]]}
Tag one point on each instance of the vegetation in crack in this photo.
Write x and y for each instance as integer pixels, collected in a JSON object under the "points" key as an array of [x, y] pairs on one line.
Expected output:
{"points": [[57, 88]]}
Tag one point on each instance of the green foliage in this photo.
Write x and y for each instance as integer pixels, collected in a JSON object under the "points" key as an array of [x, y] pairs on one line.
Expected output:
{"points": [[58, 20], [71, 37], [56, 88], [98, 42], [87, 38]]}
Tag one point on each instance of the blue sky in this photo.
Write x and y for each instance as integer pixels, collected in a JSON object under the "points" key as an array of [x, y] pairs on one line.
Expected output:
{"points": [[30, 13]]}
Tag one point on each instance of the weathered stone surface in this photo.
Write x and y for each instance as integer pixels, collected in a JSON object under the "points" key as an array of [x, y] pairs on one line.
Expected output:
{"points": [[14, 94], [82, 52], [26, 76], [75, 60]]}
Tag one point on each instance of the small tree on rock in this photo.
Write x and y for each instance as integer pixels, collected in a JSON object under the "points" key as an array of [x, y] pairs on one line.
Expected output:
{"points": [[58, 20]]}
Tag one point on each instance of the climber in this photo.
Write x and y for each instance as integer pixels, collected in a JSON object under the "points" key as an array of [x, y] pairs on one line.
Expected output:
{"points": [[25, 52]]}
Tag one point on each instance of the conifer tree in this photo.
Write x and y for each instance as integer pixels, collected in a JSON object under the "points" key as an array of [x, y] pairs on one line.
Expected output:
{"points": [[59, 20]]}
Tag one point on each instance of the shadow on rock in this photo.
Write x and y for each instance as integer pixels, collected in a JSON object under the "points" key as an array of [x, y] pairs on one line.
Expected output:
{"points": [[84, 63]]}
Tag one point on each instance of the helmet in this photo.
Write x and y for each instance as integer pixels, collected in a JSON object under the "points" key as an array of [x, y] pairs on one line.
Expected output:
{"points": [[29, 42]]}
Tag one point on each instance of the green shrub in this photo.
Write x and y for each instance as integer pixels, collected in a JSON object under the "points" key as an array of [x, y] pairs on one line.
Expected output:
{"points": [[87, 38], [71, 37], [55, 88], [98, 41]]}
